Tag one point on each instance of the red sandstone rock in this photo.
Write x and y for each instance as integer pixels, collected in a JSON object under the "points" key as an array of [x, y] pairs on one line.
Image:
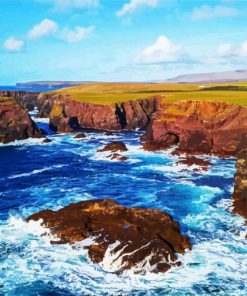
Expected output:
{"points": [[199, 127], [15, 123], [139, 236]]}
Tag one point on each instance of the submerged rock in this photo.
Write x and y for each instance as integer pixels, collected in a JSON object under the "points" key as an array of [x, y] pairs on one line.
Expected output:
{"points": [[240, 189], [121, 238], [116, 156], [109, 133], [46, 140], [114, 147]]}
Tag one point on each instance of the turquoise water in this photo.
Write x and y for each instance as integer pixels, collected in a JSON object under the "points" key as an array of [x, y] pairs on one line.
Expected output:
{"points": [[36, 176]]}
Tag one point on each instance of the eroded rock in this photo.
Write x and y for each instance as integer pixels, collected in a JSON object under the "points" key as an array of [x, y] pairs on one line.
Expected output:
{"points": [[198, 127], [134, 238]]}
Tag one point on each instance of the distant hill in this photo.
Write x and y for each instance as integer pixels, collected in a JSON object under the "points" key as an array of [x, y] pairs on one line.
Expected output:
{"points": [[49, 84], [228, 76]]}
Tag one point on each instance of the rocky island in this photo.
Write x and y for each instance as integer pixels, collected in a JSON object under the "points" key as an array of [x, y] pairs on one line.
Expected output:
{"points": [[121, 238]]}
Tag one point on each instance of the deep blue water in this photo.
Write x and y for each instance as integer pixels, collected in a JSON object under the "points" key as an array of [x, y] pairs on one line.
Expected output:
{"points": [[31, 89], [36, 176]]}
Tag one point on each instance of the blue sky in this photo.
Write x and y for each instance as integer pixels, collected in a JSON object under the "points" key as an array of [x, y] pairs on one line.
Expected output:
{"points": [[120, 40]]}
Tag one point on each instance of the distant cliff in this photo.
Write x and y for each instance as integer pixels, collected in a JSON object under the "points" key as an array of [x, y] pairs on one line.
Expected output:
{"points": [[15, 122]]}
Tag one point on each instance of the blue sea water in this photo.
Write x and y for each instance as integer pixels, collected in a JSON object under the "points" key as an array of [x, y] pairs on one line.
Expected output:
{"points": [[36, 176]]}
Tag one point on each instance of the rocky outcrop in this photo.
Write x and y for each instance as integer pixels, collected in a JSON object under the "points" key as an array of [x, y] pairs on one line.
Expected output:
{"points": [[114, 146], [240, 189], [198, 127], [15, 122], [67, 115], [120, 238], [27, 99]]}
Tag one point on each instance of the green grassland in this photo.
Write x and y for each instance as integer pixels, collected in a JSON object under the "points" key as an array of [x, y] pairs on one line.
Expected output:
{"points": [[108, 93]]}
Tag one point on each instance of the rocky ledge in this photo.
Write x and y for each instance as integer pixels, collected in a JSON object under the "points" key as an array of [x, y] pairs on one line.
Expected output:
{"points": [[240, 188], [120, 238], [15, 122], [198, 127]]}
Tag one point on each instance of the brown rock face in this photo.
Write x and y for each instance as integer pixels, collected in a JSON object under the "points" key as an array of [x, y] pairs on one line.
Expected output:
{"points": [[15, 123], [135, 237], [114, 147], [67, 115], [198, 127], [192, 160], [240, 189]]}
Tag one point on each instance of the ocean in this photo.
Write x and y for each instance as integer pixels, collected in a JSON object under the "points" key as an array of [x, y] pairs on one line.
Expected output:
{"points": [[36, 176]]}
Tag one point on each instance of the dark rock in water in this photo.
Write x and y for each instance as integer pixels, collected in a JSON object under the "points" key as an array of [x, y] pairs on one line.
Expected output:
{"points": [[80, 136], [46, 140], [240, 189], [122, 238], [108, 133], [117, 157], [114, 147], [192, 160], [15, 122]]}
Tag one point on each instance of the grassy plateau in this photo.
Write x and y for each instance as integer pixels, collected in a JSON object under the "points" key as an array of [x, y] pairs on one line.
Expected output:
{"points": [[108, 93]]}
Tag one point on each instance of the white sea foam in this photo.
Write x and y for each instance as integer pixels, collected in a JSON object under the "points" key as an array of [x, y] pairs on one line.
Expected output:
{"points": [[34, 172]]}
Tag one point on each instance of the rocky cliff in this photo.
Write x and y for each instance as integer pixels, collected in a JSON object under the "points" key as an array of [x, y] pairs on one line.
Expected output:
{"points": [[27, 99], [15, 122], [240, 188], [67, 114], [198, 127], [120, 238]]}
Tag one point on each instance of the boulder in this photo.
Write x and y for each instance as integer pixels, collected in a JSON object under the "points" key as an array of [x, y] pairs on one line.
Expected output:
{"points": [[114, 146], [121, 238], [80, 136]]}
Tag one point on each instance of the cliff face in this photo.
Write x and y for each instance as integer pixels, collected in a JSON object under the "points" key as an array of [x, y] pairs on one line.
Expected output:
{"points": [[67, 114], [199, 127], [240, 189], [27, 99], [15, 122], [141, 239]]}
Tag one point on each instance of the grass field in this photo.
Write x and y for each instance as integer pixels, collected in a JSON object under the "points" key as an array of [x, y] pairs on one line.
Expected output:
{"points": [[107, 93]]}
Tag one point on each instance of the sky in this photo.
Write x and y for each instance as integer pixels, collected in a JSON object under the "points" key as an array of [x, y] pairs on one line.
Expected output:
{"points": [[119, 40]]}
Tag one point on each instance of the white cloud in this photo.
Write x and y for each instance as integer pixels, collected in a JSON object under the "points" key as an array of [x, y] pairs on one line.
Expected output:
{"points": [[65, 5], [226, 50], [163, 50], [77, 34], [13, 45], [135, 4], [209, 12], [243, 49], [44, 28]]}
